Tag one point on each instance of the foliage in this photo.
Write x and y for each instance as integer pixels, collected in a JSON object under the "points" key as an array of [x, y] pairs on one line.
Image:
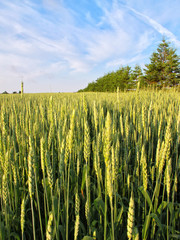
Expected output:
{"points": [[164, 67], [124, 78]]}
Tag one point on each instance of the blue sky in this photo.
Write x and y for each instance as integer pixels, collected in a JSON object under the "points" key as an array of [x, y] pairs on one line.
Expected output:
{"points": [[62, 45]]}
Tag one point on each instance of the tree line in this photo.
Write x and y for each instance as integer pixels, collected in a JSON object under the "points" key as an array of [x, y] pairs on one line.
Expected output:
{"points": [[162, 71], [14, 92]]}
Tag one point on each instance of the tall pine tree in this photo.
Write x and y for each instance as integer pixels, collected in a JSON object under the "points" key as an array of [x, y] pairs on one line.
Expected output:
{"points": [[164, 67]]}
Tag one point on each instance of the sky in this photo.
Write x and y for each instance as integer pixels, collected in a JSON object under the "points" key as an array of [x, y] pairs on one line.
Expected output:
{"points": [[62, 45]]}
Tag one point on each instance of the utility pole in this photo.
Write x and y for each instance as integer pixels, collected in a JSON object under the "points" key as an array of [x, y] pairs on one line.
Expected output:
{"points": [[22, 88]]}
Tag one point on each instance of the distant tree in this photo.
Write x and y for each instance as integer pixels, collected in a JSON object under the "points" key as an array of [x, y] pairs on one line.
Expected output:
{"points": [[164, 67], [111, 81], [137, 72], [91, 87], [137, 77], [163, 70], [5, 92], [124, 80]]}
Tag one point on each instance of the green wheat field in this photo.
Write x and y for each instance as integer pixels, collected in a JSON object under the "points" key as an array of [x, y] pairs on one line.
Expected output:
{"points": [[90, 166]]}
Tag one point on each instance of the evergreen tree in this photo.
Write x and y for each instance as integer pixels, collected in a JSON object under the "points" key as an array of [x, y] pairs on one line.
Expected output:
{"points": [[164, 68], [137, 77]]}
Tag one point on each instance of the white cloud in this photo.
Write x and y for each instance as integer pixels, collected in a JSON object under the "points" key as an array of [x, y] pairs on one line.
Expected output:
{"points": [[138, 58]]}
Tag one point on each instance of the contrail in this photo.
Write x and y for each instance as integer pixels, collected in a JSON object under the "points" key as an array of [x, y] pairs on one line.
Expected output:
{"points": [[158, 27]]}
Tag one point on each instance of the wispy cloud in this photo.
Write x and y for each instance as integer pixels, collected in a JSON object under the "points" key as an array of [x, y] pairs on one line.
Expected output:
{"points": [[158, 27]]}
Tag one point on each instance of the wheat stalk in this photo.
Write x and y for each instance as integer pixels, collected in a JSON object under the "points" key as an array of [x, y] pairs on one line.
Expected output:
{"points": [[130, 220], [22, 217], [49, 229]]}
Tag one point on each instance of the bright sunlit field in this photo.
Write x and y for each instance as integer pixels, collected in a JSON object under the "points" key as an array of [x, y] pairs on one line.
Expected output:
{"points": [[90, 166]]}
